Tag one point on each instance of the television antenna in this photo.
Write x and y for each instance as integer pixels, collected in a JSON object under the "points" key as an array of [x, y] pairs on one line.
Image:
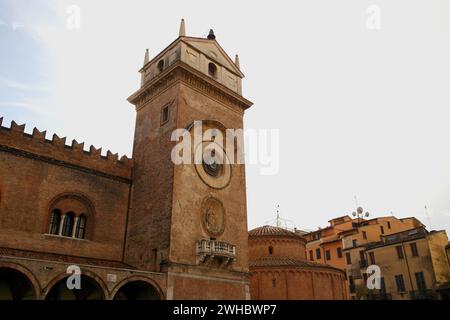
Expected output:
{"points": [[427, 214]]}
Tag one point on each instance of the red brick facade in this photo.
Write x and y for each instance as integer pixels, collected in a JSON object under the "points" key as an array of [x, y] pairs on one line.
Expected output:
{"points": [[136, 227], [280, 270], [145, 228]]}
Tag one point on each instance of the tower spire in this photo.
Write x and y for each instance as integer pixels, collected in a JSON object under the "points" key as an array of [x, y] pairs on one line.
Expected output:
{"points": [[278, 221], [211, 35], [236, 61], [182, 29], [146, 57]]}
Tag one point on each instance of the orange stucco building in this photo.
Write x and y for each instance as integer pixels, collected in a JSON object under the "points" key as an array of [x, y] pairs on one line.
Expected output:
{"points": [[354, 244]]}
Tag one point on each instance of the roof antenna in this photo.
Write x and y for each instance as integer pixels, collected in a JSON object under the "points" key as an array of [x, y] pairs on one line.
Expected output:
{"points": [[355, 198], [427, 213]]}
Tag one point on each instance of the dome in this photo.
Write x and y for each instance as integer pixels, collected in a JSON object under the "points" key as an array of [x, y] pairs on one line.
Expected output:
{"points": [[279, 268], [272, 231]]}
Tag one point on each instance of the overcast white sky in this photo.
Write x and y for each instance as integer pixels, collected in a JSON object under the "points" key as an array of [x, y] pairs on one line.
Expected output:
{"points": [[360, 112]]}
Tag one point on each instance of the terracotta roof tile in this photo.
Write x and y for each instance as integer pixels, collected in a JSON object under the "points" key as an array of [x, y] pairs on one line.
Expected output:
{"points": [[272, 231], [288, 262]]}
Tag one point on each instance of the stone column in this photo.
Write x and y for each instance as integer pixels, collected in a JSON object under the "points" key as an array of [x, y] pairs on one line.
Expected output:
{"points": [[61, 224], [74, 228]]}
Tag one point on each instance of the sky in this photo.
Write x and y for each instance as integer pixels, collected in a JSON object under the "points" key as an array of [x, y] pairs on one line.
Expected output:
{"points": [[361, 100]]}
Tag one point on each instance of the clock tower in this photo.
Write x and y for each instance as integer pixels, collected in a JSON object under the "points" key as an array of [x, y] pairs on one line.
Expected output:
{"points": [[189, 219]]}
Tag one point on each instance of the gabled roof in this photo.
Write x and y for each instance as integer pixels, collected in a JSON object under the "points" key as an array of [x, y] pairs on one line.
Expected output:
{"points": [[206, 46], [214, 51]]}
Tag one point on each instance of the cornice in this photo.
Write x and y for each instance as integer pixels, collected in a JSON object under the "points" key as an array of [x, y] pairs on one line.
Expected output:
{"points": [[182, 72]]}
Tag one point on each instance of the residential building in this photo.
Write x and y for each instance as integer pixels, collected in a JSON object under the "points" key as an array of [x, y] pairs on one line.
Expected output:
{"points": [[413, 265]]}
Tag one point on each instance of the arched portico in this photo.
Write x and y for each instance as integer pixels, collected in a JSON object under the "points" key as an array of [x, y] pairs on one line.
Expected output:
{"points": [[137, 288], [15, 284], [92, 288]]}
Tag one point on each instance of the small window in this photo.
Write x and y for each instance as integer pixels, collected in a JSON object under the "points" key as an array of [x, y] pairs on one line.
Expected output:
{"points": [[328, 255], [270, 250], [348, 258], [81, 227], [400, 283], [364, 234], [339, 252], [372, 257], [165, 115], [55, 221], [318, 255], [161, 65], [382, 229], [67, 225], [420, 280], [362, 256], [212, 70], [414, 251], [389, 225], [311, 255], [351, 284], [354, 243], [399, 252]]}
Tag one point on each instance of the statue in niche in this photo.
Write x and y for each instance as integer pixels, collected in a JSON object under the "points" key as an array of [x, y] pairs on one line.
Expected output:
{"points": [[213, 216]]}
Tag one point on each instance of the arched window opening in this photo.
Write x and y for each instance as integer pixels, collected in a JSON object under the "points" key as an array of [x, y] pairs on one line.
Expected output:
{"points": [[212, 70], [81, 227], [67, 225], [270, 250], [161, 65], [55, 221], [69, 215]]}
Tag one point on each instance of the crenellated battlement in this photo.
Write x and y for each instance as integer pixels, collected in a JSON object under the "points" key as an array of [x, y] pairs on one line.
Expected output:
{"points": [[15, 139]]}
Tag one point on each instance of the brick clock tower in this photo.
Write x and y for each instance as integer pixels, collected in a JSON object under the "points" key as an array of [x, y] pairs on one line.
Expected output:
{"points": [[189, 220]]}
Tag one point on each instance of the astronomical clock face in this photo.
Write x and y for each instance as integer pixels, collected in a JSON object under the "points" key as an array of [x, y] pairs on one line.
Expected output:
{"points": [[213, 218], [214, 169]]}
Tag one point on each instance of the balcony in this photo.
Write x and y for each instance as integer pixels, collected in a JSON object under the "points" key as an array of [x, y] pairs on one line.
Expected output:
{"points": [[214, 250], [426, 294]]}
